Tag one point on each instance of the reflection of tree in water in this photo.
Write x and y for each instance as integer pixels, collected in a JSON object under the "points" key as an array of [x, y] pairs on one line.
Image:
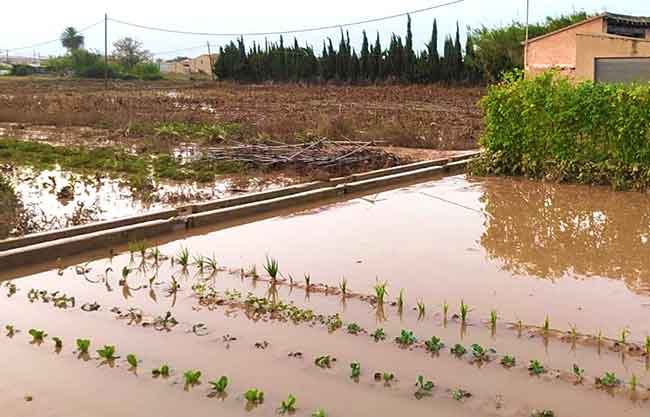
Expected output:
{"points": [[549, 230]]}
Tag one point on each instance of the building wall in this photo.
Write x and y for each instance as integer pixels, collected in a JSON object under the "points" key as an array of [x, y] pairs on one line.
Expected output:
{"points": [[559, 50], [592, 46], [202, 64]]}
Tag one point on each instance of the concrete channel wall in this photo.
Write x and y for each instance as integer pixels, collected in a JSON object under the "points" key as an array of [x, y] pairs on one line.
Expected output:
{"points": [[49, 246]]}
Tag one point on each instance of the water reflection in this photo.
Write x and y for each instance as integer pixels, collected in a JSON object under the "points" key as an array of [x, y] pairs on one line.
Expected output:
{"points": [[551, 231]]}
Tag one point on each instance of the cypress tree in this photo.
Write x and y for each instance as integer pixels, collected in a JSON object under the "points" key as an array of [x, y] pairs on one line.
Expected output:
{"points": [[364, 64], [458, 55], [433, 58], [378, 58], [409, 55]]}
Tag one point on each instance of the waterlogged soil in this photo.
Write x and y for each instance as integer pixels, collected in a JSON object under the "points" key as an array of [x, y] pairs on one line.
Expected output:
{"points": [[525, 250]]}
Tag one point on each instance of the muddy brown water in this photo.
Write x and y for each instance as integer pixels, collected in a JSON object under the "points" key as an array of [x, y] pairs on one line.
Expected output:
{"points": [[527, 250]]}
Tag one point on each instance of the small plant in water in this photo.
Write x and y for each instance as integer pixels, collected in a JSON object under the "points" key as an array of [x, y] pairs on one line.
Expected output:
{"points": [[479, 352], [107, 353], [37, 335], [624, 334], [380, 291], [459, 394], [421, 308], [162, 371], [464, 311], [434, 344], [608, 380], [343, 286], [307, 282], [388, 377], [58, 343], [543, 413], [378, 335], [324, 361], [493, 319], [11, 331], [219, 385], [579, 373], [445, 310], [354, 328], [83, 345], [400, 301], [573, 333], [547, 325], [536, 368], [633, 382], [254, 395], [272, 268], [406, 338], [318, 413], [355, 370], [183, 257], [508, 361], [288, 405], [132, 360], [192, 377], [458, 350], [423, 386], [647, 345]]}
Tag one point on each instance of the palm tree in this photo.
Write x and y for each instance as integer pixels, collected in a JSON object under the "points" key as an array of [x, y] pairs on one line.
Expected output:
{"points": [[71, 39]]}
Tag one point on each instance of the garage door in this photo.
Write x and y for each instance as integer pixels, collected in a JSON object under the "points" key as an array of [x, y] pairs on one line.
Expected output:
{"points": [[612, 70]]}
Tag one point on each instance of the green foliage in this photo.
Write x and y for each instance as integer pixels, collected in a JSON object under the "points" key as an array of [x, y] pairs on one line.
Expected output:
{"points": [[220, 384], [324, 361], [192, 377], [354, 328], [536, 368], [83, 345], [37, 335], [162, 371], [132, 360], [434, 344], [423, 386], [22, 70], [288, 405], [107, 353], [254, 395], [378, 335], [508, 361], [318, 413], [549, 127], [355, 370], [406, 338], [578, 372], [458, 350], [609, 380], [479, 352], [272, 267]]}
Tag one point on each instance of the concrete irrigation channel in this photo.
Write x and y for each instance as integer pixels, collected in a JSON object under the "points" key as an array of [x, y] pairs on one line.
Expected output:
{"points": [[40, 248]]}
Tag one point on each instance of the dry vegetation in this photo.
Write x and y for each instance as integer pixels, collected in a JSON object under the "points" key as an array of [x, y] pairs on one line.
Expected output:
{"points": [[416, 116]]}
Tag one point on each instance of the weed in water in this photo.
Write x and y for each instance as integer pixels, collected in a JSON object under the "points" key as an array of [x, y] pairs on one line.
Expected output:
{"points": [[536, 368], [647, 345], [579, 373], [318, 413], [163, 371], [355, 370], [624, 334], [254, 396], [479, 352], [400, 301], [288, 405], [334, 323], [272, 268], [634, 382], [543, 413], [212, 263], [324, 361], [354, 328], [343, 286], [380, 291], [37, 335], [464, 311], [508, 361], [378, 335], [547, 325], [459, 394], [307, 282], [458, 350], [132, 360], [493, 319], [192, 377], [424, 387], [183, 257], [434, 345], [388, 377], [573, 332], [58, 343], [201, 262], [83, 345], [219, 385], [107, 353], [609, 380], [421, 309], [406, 338]]}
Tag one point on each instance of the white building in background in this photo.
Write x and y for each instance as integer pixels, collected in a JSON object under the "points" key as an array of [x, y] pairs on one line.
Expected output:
{"points": [[198, 65]]}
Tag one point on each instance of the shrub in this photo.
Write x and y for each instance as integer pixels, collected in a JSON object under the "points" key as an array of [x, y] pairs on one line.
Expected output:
{"points": [[22, 70], [549, 127]]}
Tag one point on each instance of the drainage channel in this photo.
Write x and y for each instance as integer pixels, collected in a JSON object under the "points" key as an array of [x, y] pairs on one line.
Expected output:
{"points": [[45, 247]]}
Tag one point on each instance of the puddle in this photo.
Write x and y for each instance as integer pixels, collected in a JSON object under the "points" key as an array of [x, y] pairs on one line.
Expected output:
{"points": [[448, 240]]}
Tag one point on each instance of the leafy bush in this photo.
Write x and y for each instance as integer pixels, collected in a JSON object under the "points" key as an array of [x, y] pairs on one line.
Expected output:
{"points": [[147, 71], [550, 127], [22, 70]]}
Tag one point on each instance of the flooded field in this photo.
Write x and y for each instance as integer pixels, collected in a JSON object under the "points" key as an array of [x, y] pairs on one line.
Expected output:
{"points": [[507, 297]]}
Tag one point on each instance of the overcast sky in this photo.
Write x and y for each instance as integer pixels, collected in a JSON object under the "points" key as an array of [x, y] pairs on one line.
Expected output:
{"points": [[25, 23]]}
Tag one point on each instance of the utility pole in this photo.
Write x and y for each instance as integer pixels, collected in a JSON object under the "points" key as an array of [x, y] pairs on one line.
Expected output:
{"points": [[106, 51], [7, 55], [211, 63], [526, 41]]}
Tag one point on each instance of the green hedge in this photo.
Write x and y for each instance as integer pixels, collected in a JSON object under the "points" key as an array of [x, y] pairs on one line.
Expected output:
{"points": [[549, 127]]}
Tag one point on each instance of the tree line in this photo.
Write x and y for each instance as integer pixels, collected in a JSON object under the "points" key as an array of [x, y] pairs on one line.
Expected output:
{"points": [[398, 62]]}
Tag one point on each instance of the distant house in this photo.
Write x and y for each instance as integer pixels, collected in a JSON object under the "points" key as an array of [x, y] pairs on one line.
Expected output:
{"points": [[608, 47], [200, 64]]}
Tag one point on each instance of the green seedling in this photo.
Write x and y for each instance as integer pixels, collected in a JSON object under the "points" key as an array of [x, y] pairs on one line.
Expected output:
{"points": [[37, 335], [624, 334], [406, 338], [288, 405], [183, 257], [459, 394], [126, 271], [434, 345], [458, 350], [400, 301], [579, 373], [318, 413], [421, 308], [547, 325], [445, 310], [201, 262], [479, 352], [58, 343], [543, 413], [380, 291], [508, 361], [343, 286], [324, 361], [254, 396], [355, 370], [647, 345], [573, 333], [608, 380], [220, 384], [334, 323], [388, 377], [354, 328], [192, 377], [464, 311], [634, 382], [272, 268], [493, 319], [307, 282], [536, 368], [156, 255], [107, 353], [83, 345], [132, 360], [378, 335], [423, 386], [163, 371], [212, 263]]}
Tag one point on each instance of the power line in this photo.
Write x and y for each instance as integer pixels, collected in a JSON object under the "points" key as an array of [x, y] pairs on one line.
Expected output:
{"points": [[53, 40], [292, 31]]}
